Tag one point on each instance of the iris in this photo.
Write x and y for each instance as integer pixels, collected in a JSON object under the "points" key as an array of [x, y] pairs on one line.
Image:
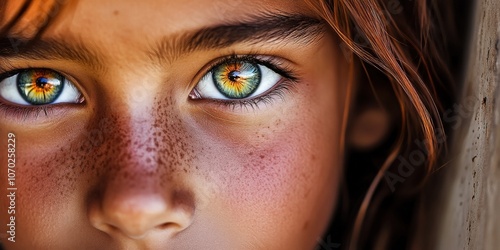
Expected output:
{"points": [[237, 80], [40, 86]]}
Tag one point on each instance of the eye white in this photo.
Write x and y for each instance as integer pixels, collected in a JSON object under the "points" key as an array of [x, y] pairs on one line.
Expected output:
{"points": [[10, 93], [207, 89]]}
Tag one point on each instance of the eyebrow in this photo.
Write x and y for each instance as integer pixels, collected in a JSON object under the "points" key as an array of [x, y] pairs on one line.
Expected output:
{"points": [[50, 49], [266, 28]]}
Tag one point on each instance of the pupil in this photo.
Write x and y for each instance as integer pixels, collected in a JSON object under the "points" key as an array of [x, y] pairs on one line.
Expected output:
{"points": [[234, 75], [41, 82]]}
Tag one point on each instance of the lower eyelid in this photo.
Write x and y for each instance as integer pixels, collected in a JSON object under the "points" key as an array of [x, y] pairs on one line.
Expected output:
{"points": [[278, 93], [34, 114]]}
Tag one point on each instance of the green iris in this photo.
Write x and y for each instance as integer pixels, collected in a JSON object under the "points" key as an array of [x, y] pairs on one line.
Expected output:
{"points": [[40, 86], [237, 80]]}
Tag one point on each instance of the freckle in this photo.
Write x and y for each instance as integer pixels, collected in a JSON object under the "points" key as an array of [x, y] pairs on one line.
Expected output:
{"points": [[251, 153], [116, 13], [262, 156]]}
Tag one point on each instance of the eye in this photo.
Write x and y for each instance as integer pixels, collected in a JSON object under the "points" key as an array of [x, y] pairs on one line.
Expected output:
{"points": [[236, 79], [38, 87]]}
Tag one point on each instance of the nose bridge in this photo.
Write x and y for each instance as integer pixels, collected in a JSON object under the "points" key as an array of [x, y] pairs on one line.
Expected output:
{"points": [[133, 141], [142, 132], [133, 149], [134, 127]]}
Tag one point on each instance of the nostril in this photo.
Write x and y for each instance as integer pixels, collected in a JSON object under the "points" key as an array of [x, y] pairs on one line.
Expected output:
{"points": [[173, 228], [166, 225]]}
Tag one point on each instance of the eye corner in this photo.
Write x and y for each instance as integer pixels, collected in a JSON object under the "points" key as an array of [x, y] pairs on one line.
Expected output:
{"points": [[195, 95]]}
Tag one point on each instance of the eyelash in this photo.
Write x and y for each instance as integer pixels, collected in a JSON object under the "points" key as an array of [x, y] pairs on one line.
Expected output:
{"points": [[280, 90]]}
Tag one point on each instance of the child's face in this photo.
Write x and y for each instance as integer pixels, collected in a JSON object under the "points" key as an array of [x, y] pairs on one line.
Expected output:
{"points": [[150, 158]]}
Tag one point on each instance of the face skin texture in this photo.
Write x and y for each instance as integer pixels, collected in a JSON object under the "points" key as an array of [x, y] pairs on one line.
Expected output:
{"points": [[140, 165]]}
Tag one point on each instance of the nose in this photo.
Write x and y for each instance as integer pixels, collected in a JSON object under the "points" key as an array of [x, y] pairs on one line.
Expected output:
{"points": [[137, 214]]}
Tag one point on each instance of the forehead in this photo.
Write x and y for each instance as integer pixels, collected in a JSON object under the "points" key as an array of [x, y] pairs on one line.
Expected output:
{"points": [[139, 21]]}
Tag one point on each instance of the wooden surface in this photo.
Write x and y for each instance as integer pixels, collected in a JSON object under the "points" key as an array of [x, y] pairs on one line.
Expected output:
{"points": [[468, 208]]}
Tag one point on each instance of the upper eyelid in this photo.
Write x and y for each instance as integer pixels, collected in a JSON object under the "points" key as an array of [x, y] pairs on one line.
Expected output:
{"points": [[275, 63], [9, 73]]}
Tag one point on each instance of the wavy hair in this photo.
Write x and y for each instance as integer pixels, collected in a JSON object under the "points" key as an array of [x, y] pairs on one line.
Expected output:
{"points": [[400, 49]]}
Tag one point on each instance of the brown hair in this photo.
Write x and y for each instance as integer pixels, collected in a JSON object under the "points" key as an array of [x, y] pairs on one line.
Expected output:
{"points": [[396, 40]]}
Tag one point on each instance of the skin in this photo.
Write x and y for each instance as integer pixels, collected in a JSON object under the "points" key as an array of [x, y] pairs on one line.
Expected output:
{"points": [[140, 165]]}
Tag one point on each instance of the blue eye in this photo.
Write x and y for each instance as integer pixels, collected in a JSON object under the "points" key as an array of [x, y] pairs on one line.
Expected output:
{"points": [[38, 87], [237, 79]]}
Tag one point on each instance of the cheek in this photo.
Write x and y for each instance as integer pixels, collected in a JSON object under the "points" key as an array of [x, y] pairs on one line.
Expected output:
{"points": [[282, 191], [43, 167], [277, 178], [280, 163], [281, 177], [45, 179]]}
